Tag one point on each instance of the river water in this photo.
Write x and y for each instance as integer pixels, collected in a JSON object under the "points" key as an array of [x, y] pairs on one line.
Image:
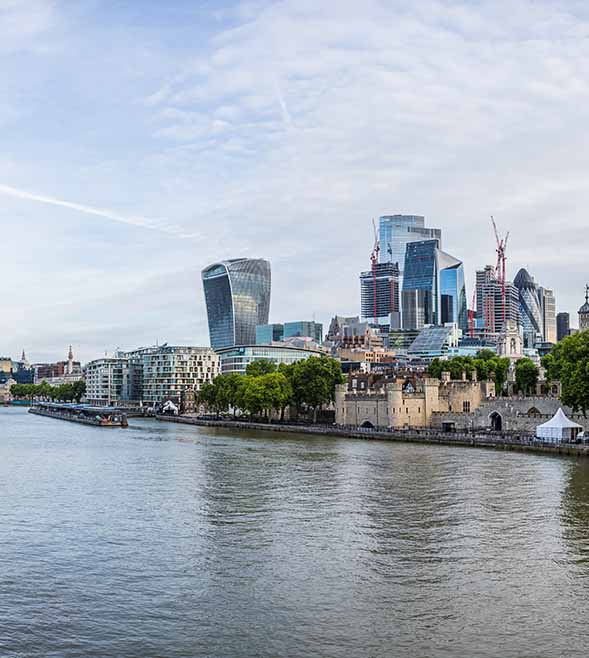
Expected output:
{"points": [[174, 541]]}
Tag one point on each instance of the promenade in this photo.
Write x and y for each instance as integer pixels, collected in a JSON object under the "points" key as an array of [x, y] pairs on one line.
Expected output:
{"points": [[513, 442]]}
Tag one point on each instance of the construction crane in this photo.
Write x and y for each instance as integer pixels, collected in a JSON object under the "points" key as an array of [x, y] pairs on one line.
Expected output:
{"points": [[471, 312], [500, 268], [374, 261]]}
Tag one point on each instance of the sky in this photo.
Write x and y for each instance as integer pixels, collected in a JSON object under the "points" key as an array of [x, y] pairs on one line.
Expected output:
{"points": [[142, 141]]}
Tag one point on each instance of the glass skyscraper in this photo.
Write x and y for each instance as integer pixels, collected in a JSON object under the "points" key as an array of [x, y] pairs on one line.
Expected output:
{"points": [[237, 295], [395, 233], [434, 292], [530, 308]]}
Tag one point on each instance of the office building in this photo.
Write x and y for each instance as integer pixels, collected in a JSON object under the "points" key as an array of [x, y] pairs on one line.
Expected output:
{"points": [[548, 306], [236, 359], [379, 295], [563, 326], [530, 308], [237, 296], [434, 292], [267, 334], [304, 329], [490, 309]]}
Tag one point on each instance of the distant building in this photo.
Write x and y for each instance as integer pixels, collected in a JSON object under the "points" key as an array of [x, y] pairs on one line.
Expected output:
{"points": [[434, 341], [489, 320], [384, 307], [18, 371], [236, 359], [548, 306], [105, 380], [563, 326], [61, 372], [237, 295], [584, 312], [269, 333], [531, 313], [304, 328]]}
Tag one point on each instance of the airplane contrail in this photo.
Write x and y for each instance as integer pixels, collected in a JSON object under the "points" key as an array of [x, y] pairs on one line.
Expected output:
{"points": [[142, 222]]}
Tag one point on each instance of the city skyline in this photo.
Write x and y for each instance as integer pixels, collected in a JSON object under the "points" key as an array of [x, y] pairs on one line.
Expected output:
{"points": [[191, 146]]}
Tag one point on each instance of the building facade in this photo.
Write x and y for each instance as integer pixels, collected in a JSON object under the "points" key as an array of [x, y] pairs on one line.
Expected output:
{"points": [[548, 306], [266, 334], [530, 308], [236, 359], [105, 381], [170, 370], [379, 295], [489, 316], [403, 404], [237, 296], [563, 326], [434, 291]]}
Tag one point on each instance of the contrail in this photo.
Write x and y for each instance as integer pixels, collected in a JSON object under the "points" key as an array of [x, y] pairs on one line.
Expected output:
{"points": [[286, 118], [98, 212]]}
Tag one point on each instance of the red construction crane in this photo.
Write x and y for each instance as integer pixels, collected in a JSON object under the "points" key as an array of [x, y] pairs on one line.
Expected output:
{"points": [[374, 261], [500, 268]]}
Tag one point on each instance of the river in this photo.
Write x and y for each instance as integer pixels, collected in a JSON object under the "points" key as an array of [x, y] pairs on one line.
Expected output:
{"points": [[170, 541]]}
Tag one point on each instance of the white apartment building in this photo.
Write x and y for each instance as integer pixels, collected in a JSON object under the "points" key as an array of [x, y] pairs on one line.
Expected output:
{"points": [[105, 380]]}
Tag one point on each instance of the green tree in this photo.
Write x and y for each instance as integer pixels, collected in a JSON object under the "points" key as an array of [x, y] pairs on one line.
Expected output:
{"points": [[550, 366], [526, 376], [260, 367], [278, 391], [571, 367], [314, 381]]}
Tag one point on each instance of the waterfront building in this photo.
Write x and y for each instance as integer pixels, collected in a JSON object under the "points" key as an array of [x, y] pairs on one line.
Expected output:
{"points": [[404, 404], [105, 381], [237, 358], [349, 332], [489, 298], [237, 296], [563, 326], [381, 306], [433, 287], [170, 370], [269, 333], [584, 312]]}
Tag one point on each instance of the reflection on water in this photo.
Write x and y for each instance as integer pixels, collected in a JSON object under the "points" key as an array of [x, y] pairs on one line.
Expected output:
{"points": [[168, 540]]}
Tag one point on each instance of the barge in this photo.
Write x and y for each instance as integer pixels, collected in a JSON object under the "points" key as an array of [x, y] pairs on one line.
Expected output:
{"points": [[81, 413]]}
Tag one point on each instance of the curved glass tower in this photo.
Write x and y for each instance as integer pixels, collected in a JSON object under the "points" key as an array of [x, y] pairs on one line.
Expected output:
{"points": [[237, 295], [530, 309]]}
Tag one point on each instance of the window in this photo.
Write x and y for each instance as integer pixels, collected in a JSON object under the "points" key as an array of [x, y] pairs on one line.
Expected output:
{"points": [[466, 406]]}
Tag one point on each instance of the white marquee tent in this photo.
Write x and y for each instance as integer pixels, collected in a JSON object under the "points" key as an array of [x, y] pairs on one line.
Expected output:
{"points": [[559, 428]]}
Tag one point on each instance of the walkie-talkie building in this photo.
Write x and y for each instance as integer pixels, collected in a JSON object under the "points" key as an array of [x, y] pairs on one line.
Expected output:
{"points": [[237, 295]]}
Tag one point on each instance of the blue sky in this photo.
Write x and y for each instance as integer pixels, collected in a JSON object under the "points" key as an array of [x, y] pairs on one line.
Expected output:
{"points": [[143, 140]]}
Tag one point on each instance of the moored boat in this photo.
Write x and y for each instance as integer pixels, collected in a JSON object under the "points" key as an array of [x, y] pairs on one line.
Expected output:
{"points": [[81, 413]]}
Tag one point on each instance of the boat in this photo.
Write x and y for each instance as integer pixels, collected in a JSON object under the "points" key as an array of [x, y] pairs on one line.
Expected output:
{"points": [[81, 413]]}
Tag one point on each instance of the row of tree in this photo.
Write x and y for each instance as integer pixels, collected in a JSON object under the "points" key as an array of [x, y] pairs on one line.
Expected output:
{"points": [[64, 393], [267, 388]]}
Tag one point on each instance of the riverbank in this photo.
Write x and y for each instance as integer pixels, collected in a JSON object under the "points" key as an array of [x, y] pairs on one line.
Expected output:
{"points": [[470, 440]]}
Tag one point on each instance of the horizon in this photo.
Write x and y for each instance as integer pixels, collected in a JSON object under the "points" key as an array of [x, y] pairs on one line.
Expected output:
{"points": [[143, 143]]}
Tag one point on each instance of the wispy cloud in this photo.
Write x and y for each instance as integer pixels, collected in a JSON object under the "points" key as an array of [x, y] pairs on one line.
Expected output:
{"points": [[140, 222]]}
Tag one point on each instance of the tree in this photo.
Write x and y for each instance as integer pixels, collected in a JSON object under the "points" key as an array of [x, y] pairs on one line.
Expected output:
{"points": [[260, 367], [278, 391], [571, 366], [314, 381], [526, 376], [550, 366]]}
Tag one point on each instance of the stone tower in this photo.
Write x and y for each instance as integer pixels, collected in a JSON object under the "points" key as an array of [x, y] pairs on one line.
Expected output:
{"points": [[584, 312]]}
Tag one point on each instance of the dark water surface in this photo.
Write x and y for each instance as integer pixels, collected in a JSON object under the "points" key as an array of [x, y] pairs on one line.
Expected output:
{"points": [[174, 541]]}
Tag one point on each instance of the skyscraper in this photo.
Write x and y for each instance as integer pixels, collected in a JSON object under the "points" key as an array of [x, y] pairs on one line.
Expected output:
{"points": [[433, 287], [548, 306], [563, 326], [530, 308], [237, 295], [384, 308], [489, 297]]}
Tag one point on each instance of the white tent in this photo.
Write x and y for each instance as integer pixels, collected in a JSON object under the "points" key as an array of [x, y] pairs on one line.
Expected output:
{"points": [[559, 428]]}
